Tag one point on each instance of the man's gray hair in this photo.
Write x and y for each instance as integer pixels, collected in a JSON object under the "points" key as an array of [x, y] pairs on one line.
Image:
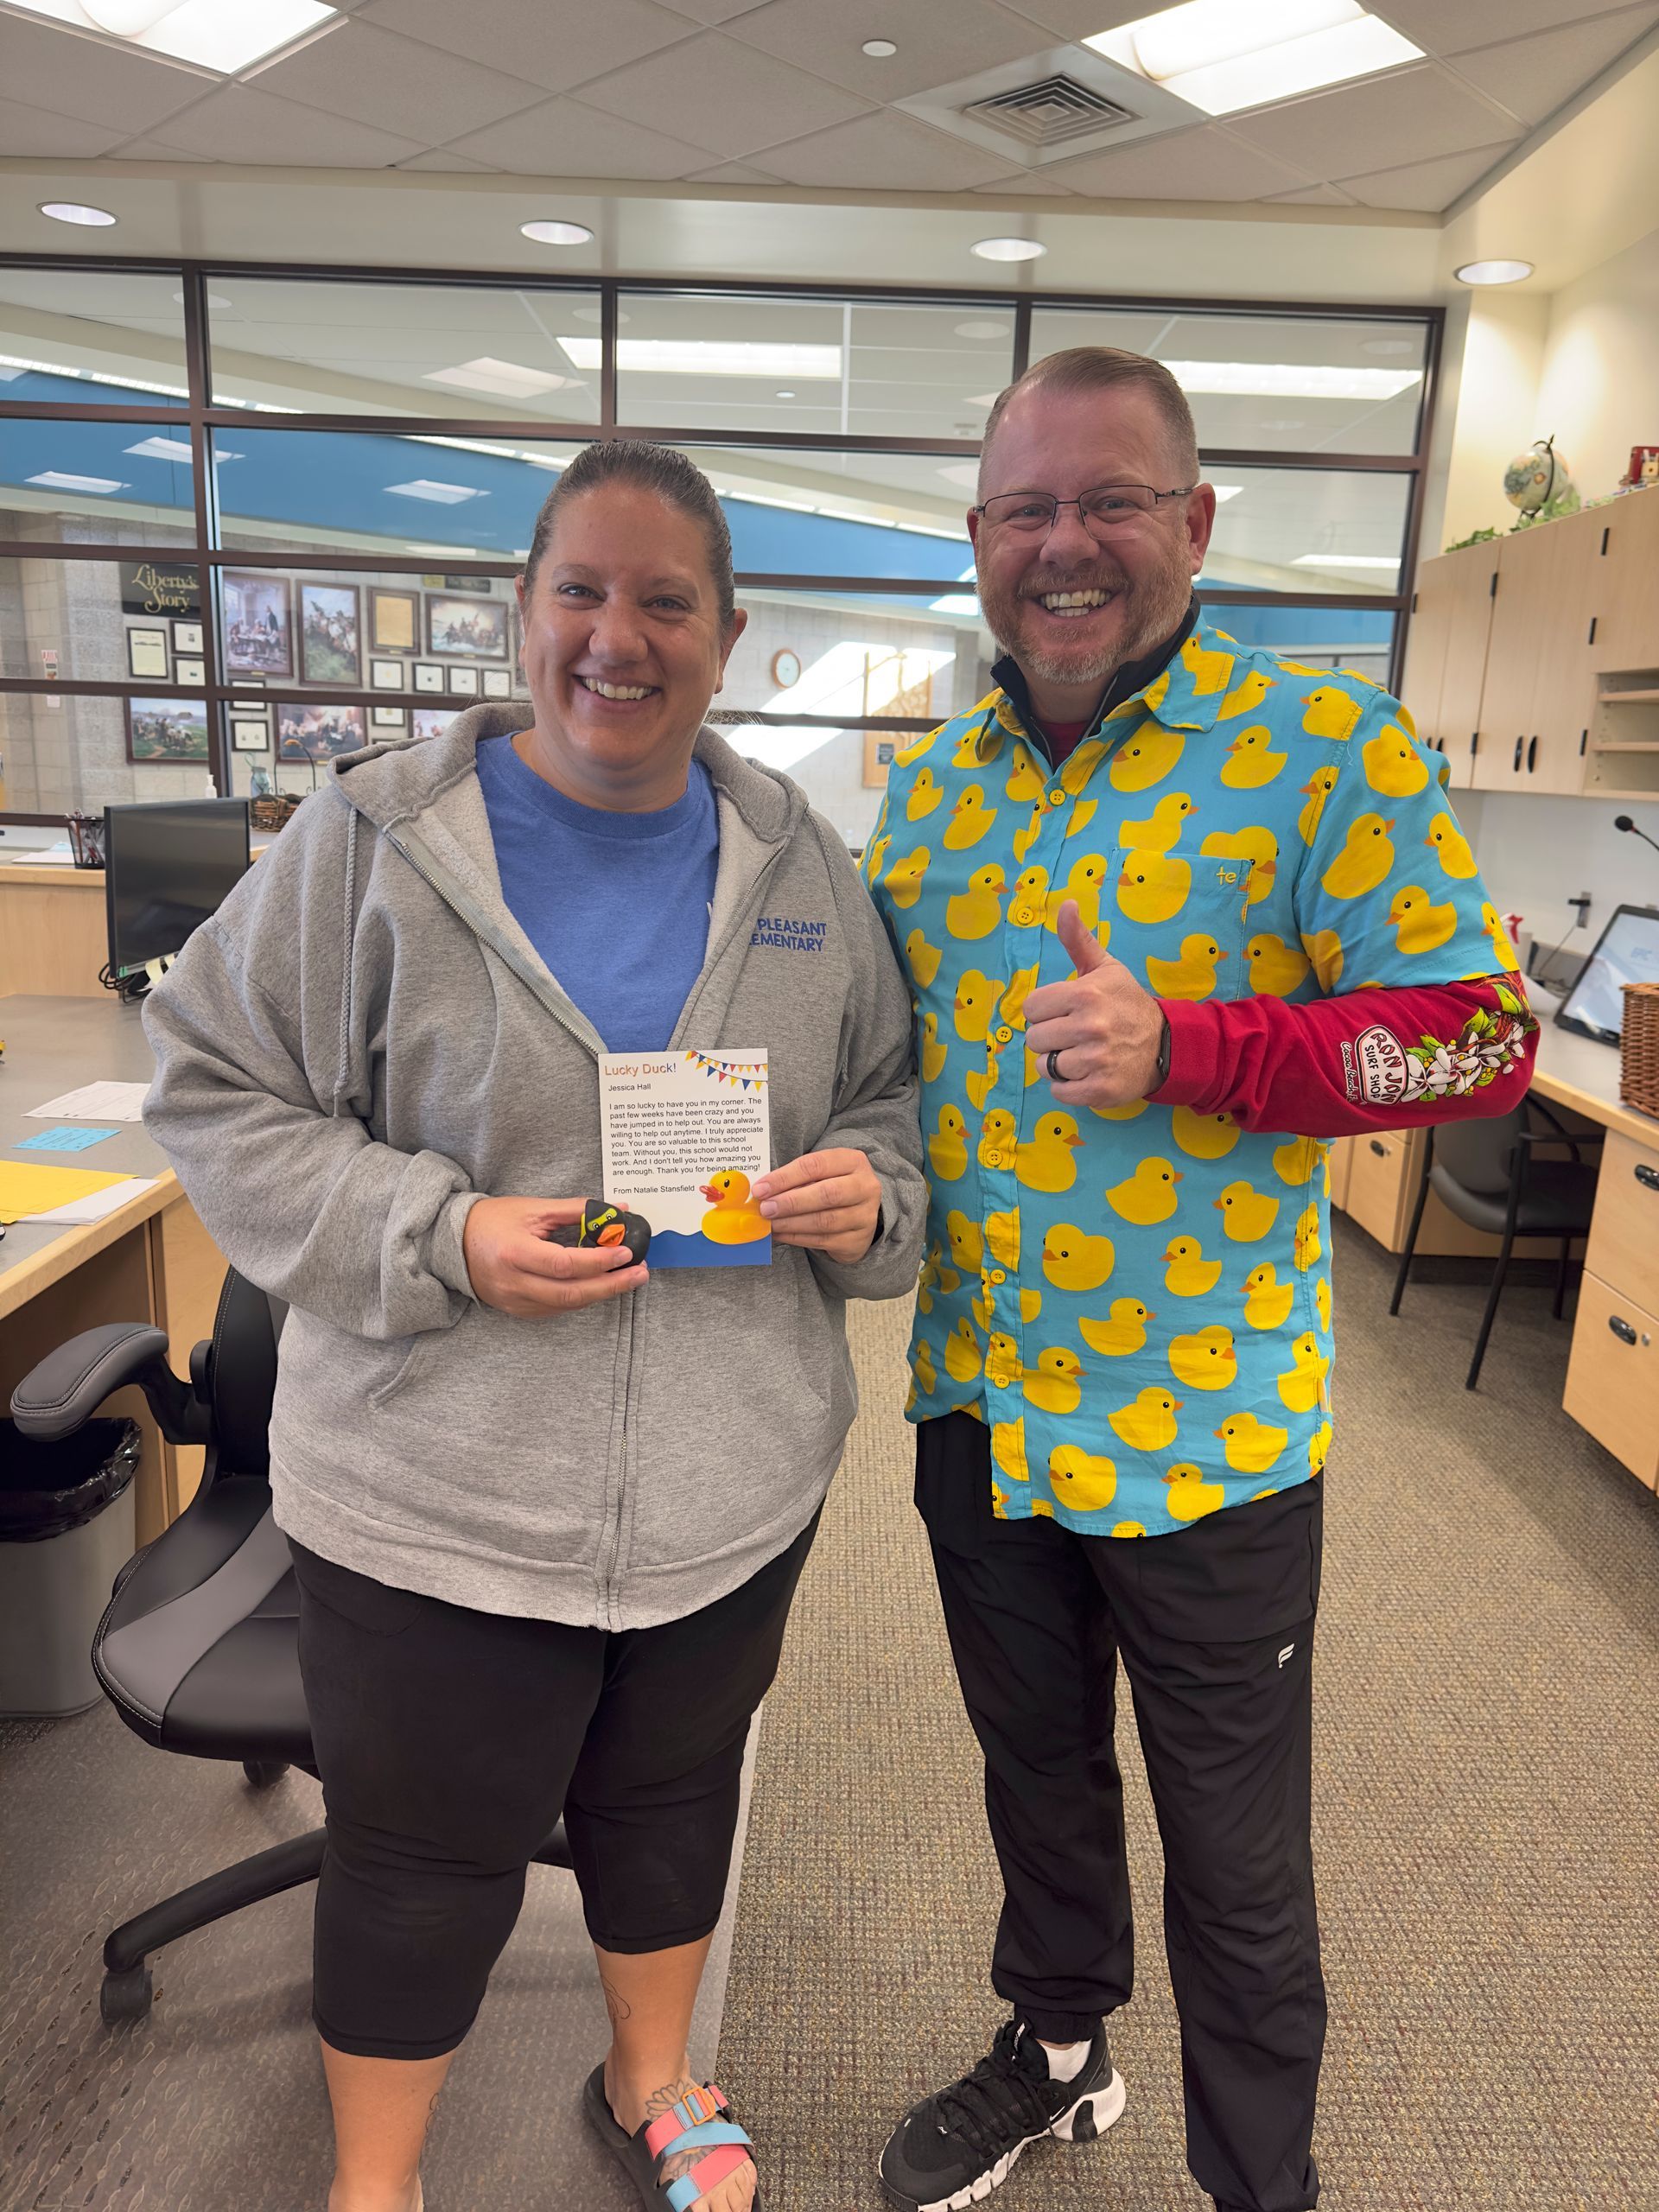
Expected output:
{"points": [[1110, 368]]}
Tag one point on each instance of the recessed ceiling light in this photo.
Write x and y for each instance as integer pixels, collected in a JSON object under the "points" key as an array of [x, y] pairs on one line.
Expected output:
{"points": [[711, 357], [783, 394], [982, 329], [1291, 381], [1219, 57], [1494, 272], [220, 34], [879, 49], [558, 233], [57, 479], [71, 211], [500, 379], [159, 448], [441, 495], [1007, 249]]}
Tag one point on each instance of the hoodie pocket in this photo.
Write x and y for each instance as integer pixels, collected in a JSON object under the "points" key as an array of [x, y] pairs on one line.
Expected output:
{"points": [[418, 1352]]}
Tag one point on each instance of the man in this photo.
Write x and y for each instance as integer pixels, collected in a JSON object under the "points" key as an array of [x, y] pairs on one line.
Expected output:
{"points": [[1175, 911]]}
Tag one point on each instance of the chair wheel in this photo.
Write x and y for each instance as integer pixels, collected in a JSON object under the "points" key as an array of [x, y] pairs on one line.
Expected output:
{"points": [[125, 1997], [263, 1772]]}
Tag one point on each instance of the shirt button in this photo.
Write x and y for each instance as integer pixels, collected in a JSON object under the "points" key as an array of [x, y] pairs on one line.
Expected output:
{"points": [[1056, 798], [1003, 1033], [1002, 1382], [1022, 914], [998, 1276], [993, 1160]]}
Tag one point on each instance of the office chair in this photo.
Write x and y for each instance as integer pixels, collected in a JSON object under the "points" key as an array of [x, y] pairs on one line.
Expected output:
{"points": [[198, 1650], [1488, 1174]]}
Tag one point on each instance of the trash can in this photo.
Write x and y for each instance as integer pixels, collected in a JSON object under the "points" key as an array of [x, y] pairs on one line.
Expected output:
{"points": [[66, 1533]]}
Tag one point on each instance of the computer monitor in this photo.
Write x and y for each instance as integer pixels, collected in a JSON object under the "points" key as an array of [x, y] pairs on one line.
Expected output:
{"points": [[169, 865]]}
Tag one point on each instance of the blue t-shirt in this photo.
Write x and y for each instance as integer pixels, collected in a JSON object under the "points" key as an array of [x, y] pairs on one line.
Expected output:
{"points": [[617, 904]]}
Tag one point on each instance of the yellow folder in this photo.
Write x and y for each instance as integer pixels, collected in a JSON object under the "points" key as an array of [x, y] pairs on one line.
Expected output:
{"points": [[25, 1189]]}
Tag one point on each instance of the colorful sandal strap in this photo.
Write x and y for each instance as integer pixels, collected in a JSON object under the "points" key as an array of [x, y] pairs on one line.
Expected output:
{"points": [[706, 2175], [693, 2109]]}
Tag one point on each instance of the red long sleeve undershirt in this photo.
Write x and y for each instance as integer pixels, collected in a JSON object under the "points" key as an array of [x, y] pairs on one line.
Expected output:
{"points": [[1331, 1067]]}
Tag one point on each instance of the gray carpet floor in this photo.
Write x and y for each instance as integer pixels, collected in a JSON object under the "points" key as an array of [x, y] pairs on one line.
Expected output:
{"points": [[1488, 1748]]}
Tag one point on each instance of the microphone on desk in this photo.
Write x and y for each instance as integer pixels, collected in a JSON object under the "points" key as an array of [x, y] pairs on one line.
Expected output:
{"points": [[1624, 822]]}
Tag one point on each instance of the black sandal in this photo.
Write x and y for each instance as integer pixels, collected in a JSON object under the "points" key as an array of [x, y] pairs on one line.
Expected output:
{"points": [[695, 2122]]}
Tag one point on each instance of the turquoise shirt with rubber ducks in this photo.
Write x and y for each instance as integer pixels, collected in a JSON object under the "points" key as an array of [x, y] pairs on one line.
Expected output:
{"points": [[1137, 1302]]}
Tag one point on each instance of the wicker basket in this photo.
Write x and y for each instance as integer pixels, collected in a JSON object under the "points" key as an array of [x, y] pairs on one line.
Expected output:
{"points": [[1639, 1074], [273, 813]]}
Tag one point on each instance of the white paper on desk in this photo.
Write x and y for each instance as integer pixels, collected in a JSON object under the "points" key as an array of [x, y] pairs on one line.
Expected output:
{"points": [[95, 1102], [81, 1213]]}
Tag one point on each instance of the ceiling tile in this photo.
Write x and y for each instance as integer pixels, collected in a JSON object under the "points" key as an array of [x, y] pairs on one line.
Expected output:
{"points": [[1081, 19], [1203, 164], [887, 153], [26, 131], [557, 43], [1311, 195], [242, 124], [1035, 181], [151, 150], [1428, 185], [375, 77], [562, 138], [1412, 115], [732, 173], [1532, 76], [939, 41], [721, 96], [1454, 26], [442, 160], [712, 11], [43, 66]]}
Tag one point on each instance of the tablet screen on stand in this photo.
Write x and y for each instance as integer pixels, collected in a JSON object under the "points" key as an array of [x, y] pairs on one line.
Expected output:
{"points": [[1627, 952]]}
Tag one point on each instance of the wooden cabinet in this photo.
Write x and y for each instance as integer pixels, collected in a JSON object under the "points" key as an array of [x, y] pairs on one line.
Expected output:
{"points": [[1445, 662], [1612, 1376], [1625, 590], [1540, 685], [1623, 1249]]}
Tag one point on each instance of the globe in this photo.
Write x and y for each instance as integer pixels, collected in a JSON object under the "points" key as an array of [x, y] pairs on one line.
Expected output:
{"points": [[1533, 478]]}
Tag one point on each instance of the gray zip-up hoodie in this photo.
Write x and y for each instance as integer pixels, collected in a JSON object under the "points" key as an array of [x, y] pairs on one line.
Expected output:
{"points": [[362, 1041]]}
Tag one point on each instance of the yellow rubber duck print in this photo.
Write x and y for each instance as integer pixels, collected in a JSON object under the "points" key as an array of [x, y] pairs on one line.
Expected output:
{"points": [[1305, 1247], [1052, 1386], [1147, 1422], [1049, 1162], [967, 1244], [961, 1357], [1267, 1301], [1153, 886], [1393, 764], [1319, 1447], [925, 793], [1190, 1496], [996, 1135], [1083, 813], [734, 1217], [912, 753], [1145, 760], [1157, 832], [1122, 1335], [921, 958], [979, 1087], [1187, 1273], [1367, 855], [1001, 1359], [1276, 969], [1302, 1385], [1129, 1528], [1191, 976], [947, 1148], [1203, 1137], [1148, 1195], [1252, 1446], [1418, 923], [1002, 1238], [1083, 1481], [933, 1053], [1211, 671], [1088, 872], [1503, 951], [1245, 697], [1324, 950], [1317, 788], [974, 913], [1246, 1215], [1206, 1360], [1073, 1260], [904, 878], [921, 1361], [1255, 844], [1332, 713], [1129, 1113], [1030, 895], [1008, 1449], [973, 1004], [1026, 781], [875, 857], [1322, 1303], [1020, 986], [1453, 847], [970, 819], [1031, 1304], [1251, 761], [1295, 1160], [1026, 838]]}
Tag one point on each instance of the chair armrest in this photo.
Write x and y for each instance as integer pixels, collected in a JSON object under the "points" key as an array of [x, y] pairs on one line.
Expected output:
{"points": [[65, 1388], [1571, 1138]]}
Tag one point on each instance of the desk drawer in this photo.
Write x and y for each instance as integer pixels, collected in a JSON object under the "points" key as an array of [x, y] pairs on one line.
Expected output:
{"points": [[1624, 1231], [1380, 1193], [1613, 1377]]}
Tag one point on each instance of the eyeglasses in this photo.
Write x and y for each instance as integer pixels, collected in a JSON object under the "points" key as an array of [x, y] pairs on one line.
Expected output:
{"points": [[1111, 507]]}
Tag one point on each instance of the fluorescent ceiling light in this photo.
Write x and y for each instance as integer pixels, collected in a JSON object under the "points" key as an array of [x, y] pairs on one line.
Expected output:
{"points": [[982, 329], [220, 34], [176, 450], [501, 379], [1347, 560], [879, 49], [71, 211], [557, 234], [1291, 379], [1219, 55], [1493, 272], [711, 357], [56, 479], [441, 495], [1225, 492], [1007, 249]]}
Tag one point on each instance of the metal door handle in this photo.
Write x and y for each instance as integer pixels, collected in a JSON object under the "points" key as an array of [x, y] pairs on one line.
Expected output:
{"points": [[1379, 1147], [1648, 1177], [1621, 1329], [1532, 756], [1519, 743]]}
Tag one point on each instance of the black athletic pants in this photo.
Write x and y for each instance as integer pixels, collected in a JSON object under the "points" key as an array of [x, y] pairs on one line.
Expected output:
{"points": [[450, 1741], [1215, 1623]]}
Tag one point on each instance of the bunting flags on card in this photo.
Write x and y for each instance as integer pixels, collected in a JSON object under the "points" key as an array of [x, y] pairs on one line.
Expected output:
{"points": [[751, 1074]]}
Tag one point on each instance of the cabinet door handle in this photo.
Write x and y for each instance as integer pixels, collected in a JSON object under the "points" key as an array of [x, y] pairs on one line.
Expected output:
{"points": [[1590, 639], [1474, 743], [1520, 744], [1532, 756], [1379, 1147], [1621, 1329], [1648, 1177]]}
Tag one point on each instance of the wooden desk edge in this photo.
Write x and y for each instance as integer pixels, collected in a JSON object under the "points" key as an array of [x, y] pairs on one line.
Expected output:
{"points": [[65, 1253], [1612, 1113]]}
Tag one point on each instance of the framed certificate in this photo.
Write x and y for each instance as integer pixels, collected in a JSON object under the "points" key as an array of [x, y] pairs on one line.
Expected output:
{"points": [[249, 736], [497, 683], [394, 621], [190, 672], [187, 637], [146, 653], [428, 677], [463, 679], [388, 718], [385, 676]]}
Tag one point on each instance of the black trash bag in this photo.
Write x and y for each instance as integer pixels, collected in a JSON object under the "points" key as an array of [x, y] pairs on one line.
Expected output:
{"points": [[45, 1489]]}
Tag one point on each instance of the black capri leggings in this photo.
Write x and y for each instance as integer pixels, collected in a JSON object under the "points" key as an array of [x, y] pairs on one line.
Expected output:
{"points": [[450, 1741]]}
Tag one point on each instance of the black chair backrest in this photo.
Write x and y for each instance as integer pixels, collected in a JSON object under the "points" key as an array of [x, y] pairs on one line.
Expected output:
{"points": [[241, 1375], [1477, 1155]]}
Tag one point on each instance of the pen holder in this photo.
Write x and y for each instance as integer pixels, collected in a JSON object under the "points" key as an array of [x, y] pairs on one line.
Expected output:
{"points": [[1638, 1072], [86, 840]]}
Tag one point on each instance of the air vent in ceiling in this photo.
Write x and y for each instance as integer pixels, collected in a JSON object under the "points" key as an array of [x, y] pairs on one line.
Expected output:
{"points": [[1052, 112]]}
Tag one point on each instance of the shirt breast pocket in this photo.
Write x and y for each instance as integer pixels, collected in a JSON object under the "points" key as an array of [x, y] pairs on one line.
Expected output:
{"points": [[1180, 923]]}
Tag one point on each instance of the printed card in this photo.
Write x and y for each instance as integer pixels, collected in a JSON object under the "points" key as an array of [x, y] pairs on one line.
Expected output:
{"points": [[686, 1136]]}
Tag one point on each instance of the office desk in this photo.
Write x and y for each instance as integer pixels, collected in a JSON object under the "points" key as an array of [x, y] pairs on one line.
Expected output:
{"points": [[53, 937], [149, 1260]]}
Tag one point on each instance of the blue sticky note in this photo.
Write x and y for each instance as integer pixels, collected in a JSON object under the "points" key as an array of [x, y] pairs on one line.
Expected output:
{"points": [[65, 1137]]}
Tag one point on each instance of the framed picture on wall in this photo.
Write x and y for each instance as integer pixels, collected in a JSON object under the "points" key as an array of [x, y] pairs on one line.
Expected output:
{"points": [[880, 749], [187, 637], [388, 718], [497, 683], [146, 653], [250, 736], [394, 621], [258, 623], [428, 676], [385, 676], [189, 672], [467, 629], [330, 648], [166, 729], [464, 679], [432, 722], [307, 731]]}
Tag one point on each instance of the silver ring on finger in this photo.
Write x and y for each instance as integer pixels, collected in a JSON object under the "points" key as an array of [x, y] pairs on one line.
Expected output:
{"points": [[1052, 1065]]}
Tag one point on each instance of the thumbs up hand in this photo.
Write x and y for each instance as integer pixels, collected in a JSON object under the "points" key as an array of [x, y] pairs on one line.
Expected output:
{"points": [[1103, 1028]]}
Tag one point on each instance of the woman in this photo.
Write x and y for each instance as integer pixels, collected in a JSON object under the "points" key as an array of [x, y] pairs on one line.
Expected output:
{"points": [[547, 1514]]}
